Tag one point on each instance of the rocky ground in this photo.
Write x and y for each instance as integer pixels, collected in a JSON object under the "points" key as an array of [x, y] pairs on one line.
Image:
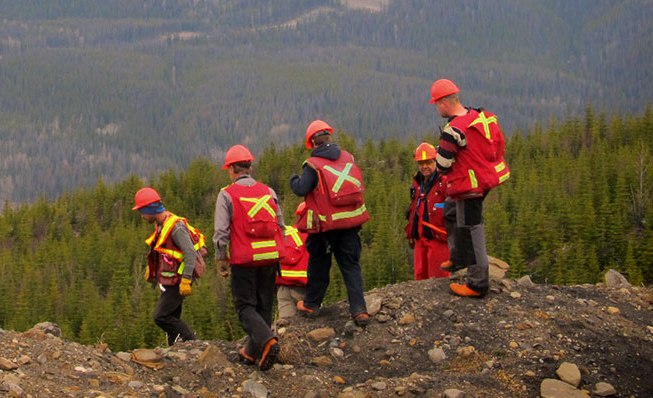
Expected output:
{"points": [[522, 340]]}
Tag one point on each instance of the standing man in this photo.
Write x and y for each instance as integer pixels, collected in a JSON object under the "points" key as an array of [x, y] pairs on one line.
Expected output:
{"points": [[333, 188], [171, 262], [291, 281], [248, 243], [470, 152], [425, 229]]}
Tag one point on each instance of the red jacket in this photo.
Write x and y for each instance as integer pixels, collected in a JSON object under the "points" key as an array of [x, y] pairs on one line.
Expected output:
{"points": [[256, 238], [337, 201], [432, 225], [480, 165], [294, 265]]}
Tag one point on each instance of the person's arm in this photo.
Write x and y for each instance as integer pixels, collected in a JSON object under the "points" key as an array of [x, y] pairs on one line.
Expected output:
{"points": [[222, 225], [304, 184], [279, 211], [451, 140], [181, 237]]}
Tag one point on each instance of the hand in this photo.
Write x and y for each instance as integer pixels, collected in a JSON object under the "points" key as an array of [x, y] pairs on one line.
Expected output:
{"points": [[147, 273], [223, 268], [184, 287], [411, 243]]}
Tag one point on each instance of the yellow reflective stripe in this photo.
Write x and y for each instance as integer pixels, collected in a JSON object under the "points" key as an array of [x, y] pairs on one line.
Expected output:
{"points": [[309, 219], [342, 176], [266, 256], [486, 121], [423, 155], [294, 234], [259, 203], [293, 274], [177, 255], [504, 177], [472, 178], [500, 167], [349, 214], [321, 217], [263, 243], [167, 227]]}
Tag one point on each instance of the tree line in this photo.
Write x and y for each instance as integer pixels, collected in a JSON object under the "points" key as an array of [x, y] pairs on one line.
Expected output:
{"points": [[578, 203]]}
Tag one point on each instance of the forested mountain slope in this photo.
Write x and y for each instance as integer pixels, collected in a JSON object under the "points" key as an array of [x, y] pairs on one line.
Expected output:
{"points": [[106, 88]]}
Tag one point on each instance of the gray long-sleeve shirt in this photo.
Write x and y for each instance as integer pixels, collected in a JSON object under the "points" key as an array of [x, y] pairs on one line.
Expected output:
{"points": [[181, 237], [224, 212]]}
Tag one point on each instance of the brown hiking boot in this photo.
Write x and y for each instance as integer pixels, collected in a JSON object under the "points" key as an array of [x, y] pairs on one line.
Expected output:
{"points": [[362, 319], [269, 355], [307, 311], [465, 291]]}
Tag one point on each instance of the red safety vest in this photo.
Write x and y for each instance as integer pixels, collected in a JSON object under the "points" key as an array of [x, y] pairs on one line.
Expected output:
{"points": [[480, 165], [165, 259], [337, 200], [295, 263], [256, 238], [433, 200]]}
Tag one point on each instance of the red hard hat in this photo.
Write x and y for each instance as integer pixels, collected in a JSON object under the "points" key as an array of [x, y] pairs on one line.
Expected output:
{"points": [[442, 88], [300, 208], [144, 197], [425, 151], [235, 154], [315, 127]]}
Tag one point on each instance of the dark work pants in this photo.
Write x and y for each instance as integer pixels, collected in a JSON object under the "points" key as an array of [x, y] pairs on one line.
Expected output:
{"points": [[167, 316], [253, 291], [470, 242], [345, 244]]}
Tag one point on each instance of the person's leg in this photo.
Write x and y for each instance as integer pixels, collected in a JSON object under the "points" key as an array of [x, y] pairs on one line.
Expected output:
{"points": [[471, 221], [286, 304], [437, 253], [420, 260], [319, 265], [167, 316], [346, 245]]}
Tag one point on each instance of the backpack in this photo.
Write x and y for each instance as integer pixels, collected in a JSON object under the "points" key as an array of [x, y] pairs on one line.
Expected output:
{"points": [[198, 241]]}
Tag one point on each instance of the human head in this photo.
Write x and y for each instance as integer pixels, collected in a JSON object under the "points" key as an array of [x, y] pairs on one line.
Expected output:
{"points": [[317, 133], [425, 154], [148, 203], [238, 160], [444, 95]]}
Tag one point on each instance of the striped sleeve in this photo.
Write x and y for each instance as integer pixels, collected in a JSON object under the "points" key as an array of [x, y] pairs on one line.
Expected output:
{"points": [[451, 139]]}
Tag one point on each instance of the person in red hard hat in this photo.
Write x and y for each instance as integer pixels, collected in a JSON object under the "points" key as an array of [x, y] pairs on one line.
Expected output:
{"points": [[171, 261], [291, 281], [426, 231], [332, 186], [470, 154], [248, 239]]}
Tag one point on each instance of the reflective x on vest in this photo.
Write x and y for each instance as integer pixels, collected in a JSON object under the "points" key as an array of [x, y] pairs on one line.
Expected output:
{"points": [[342, 176], [259, 203], [485, 121]]}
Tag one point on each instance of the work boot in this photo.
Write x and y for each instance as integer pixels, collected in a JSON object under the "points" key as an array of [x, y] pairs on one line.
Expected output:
{"points": [[307, 311], [362, 319], [465, 291], [449, 266], [245, 357], [269, 355]]}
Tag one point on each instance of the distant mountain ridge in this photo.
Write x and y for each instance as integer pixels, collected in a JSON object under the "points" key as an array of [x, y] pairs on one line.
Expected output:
{"points": [[179, 79]]}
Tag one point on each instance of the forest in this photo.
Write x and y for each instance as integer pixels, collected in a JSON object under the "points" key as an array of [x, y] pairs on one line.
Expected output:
{"points": [[578, 203], [110, 88]]}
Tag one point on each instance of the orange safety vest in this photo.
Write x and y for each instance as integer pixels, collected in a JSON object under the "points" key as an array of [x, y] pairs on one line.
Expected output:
{"points": [[165, 259], [337, 200], [294, 265], [256, 238], [480, 166]]}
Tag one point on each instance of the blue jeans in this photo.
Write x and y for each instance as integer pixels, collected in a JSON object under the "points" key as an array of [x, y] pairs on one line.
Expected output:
{"points": [[345, 244]]}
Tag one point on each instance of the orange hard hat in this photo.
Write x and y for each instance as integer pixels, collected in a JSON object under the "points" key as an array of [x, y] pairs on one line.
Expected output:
{"points": [[442, 88], [300, 208], [235, 154], [145, 196], [425, 151], [315, 127]]}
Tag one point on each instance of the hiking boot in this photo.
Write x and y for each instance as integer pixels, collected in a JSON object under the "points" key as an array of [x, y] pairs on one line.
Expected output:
{"points": [[269, 355], [449, 266], [245, 358], [362, 319], [307, 311], [465, 291]]}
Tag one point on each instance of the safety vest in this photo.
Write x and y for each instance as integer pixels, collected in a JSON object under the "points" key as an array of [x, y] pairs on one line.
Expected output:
{"points": [[432, 226], [480, 166], [295, 263], [165, 259], [256, 239], [337, 200]]}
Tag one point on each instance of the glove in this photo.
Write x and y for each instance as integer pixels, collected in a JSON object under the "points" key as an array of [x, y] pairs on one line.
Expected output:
{"points": [[184, 287], [223, 268]]}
